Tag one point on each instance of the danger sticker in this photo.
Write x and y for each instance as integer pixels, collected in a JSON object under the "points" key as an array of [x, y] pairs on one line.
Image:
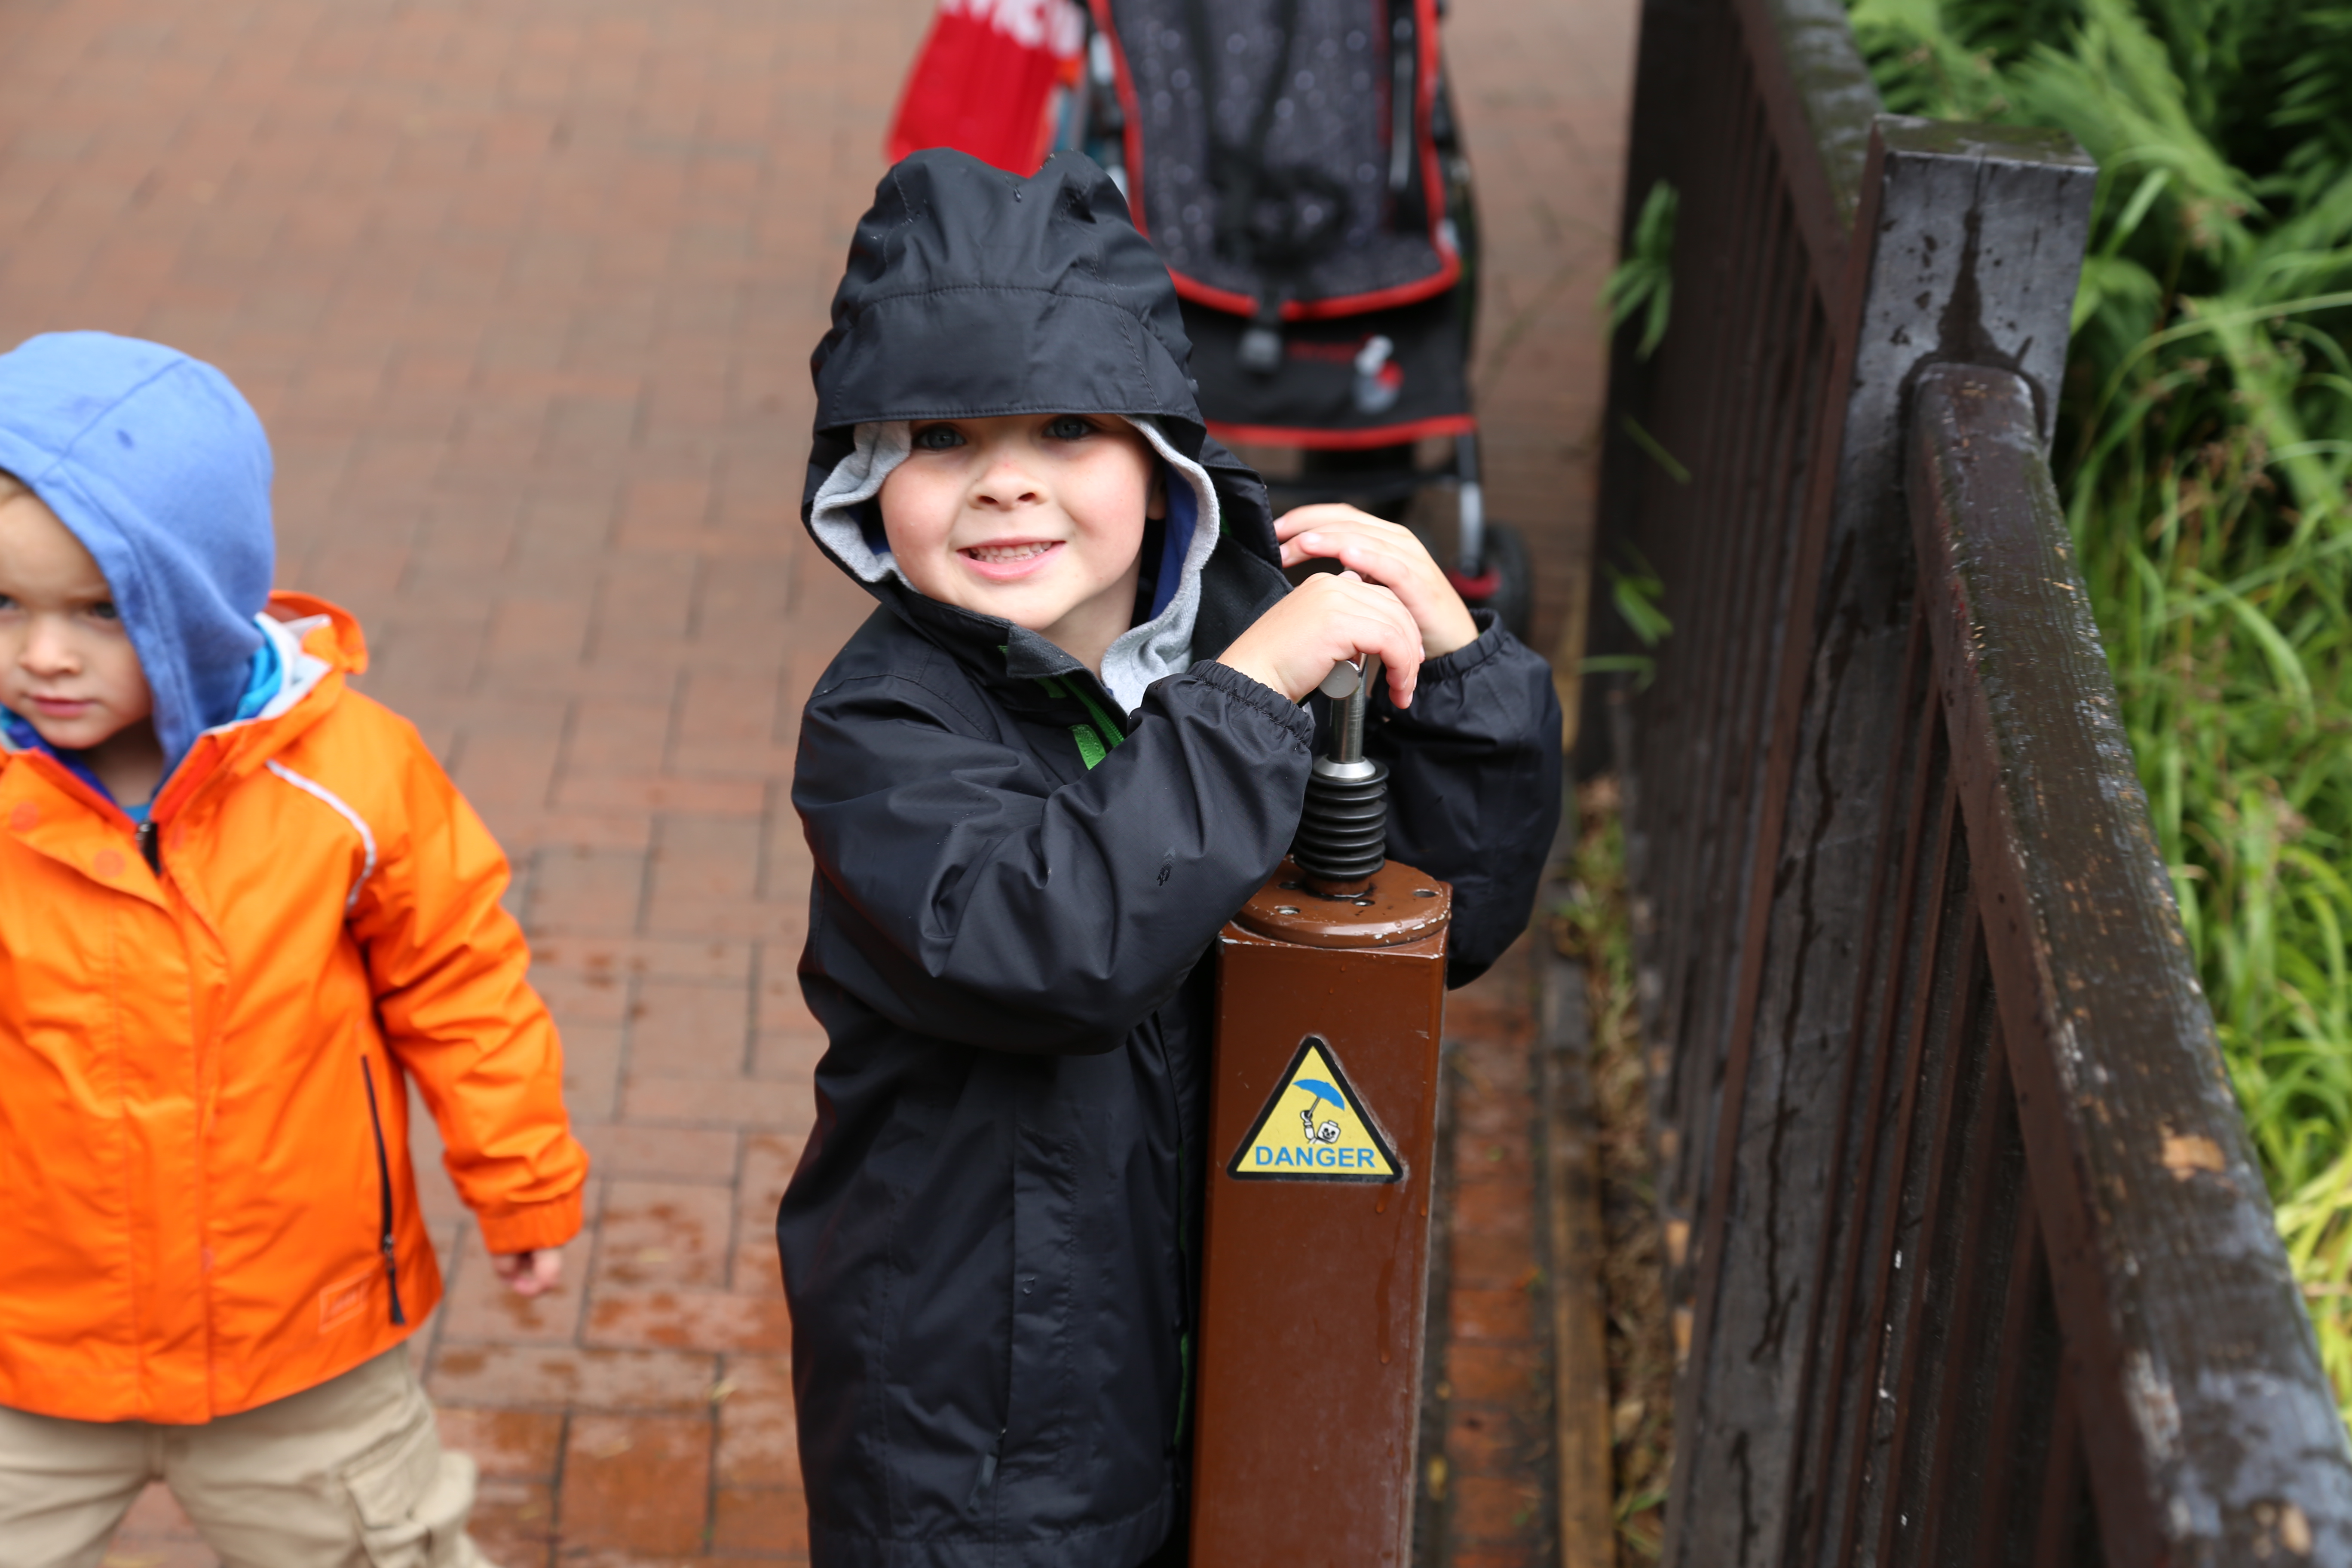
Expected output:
{"points": [[1315, 1128]]}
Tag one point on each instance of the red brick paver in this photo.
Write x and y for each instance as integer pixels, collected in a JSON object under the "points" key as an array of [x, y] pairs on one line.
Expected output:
{"points": [[1543, 88], [525, 291], [1492, 1480]]}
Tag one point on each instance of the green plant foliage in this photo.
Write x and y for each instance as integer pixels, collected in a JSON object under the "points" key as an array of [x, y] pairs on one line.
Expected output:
{"points": [[1638, 594], [1643, 283], [2204, 450]]}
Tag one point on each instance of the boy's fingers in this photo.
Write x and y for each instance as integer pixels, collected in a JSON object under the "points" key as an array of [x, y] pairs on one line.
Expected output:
{"points": [[532, 1273], [1444, 622], [1322, 514], [1393, 558], [1369, 612], [1373, 556], [1333, 616], [1389, 629], [1332, 536]]}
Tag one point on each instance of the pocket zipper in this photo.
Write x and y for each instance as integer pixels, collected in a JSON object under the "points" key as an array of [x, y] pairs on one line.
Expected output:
{"points": [[384, 1188], [987, 1473]]}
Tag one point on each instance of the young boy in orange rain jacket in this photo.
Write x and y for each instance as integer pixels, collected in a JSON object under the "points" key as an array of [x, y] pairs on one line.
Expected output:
{"points": [[240, 905]]}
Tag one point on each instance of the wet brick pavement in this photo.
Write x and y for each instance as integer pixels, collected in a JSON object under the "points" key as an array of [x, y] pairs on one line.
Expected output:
{"points": [[525, 291], [1494, 1489]]}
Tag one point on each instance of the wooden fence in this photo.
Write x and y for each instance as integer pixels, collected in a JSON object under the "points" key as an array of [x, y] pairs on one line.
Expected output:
{"points": [[1971, 1259]]}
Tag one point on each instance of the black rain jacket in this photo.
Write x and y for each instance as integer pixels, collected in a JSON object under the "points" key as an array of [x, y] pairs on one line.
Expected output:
{"points": [[991, 1243]]}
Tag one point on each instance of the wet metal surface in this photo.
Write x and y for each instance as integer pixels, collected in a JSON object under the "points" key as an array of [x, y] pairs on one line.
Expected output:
{"points": [[1314, 1289], [1398, 904]]}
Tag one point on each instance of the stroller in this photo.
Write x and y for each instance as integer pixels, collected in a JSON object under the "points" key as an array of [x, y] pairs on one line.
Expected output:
{"points": [[1297, 162]]}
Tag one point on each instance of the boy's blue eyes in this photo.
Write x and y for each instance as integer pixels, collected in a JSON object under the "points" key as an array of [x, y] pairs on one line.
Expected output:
{"points": [[103, 609], [946, 438]]}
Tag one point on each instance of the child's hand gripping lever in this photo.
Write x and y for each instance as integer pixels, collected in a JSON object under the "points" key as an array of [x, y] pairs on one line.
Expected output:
{"points": [[1332, 618], [1343, 827], [1389, 603]]}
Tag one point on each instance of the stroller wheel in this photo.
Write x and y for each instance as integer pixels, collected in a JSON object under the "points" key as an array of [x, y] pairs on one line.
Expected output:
{"points": [[1506, 584]]}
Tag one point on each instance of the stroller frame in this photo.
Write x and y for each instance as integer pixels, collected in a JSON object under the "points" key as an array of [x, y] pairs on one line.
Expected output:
{"points": [[1376, 468]]}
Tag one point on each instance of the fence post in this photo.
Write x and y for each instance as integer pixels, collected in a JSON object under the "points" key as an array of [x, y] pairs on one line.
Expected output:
{"points": [[1966, 247]]}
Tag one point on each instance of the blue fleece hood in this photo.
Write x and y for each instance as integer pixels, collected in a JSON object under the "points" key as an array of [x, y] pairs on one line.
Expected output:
{"points": [[160, 468]]}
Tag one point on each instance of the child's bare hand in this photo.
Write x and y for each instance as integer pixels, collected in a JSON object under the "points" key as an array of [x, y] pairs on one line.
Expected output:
{"points": [[1325, 619], [1386, 553], [533, 1273]]}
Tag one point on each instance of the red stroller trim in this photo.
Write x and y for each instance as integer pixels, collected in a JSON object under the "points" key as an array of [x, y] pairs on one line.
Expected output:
{"points": [[1437, 282], [1324, 440]]}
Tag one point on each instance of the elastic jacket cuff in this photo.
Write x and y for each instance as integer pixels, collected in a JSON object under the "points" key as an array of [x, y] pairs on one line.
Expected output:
{"points": [[527, 1227], [1257, 695], [1489, 644]]}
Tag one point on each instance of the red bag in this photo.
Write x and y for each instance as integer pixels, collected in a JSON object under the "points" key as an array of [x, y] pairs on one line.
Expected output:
{"points": [[984, 81]]}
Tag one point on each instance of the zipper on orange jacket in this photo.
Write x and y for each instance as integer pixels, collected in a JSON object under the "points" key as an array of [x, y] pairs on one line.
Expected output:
{"points": [[384, 1185]]}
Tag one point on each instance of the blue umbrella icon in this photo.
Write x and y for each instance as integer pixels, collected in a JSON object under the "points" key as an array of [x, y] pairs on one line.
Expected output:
{"points": [[1319, 1089]]}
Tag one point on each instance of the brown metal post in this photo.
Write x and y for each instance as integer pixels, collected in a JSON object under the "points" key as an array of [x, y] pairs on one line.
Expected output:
{"points": [[1322, 1127]]}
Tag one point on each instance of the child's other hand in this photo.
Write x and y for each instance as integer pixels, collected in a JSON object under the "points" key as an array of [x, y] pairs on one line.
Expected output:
{"points": [[1325, 619], [532, 1273], [1386, 553]]}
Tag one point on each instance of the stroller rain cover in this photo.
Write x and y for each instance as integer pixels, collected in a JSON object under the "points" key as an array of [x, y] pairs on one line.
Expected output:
{"points": [[1281, 157]]}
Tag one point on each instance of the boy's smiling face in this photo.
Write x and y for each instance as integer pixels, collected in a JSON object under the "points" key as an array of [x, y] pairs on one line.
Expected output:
{"points": [[66, 665], [1036, 518]]}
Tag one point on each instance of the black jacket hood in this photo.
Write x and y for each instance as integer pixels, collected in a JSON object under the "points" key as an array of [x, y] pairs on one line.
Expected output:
{"points": [[972, 293]]}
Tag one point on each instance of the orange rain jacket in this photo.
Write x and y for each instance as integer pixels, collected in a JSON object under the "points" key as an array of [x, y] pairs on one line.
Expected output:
{"points": [[204, 1112]]}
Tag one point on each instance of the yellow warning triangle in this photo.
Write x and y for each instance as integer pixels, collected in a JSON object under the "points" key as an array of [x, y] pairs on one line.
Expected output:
{"points": [[1315, 1128]]}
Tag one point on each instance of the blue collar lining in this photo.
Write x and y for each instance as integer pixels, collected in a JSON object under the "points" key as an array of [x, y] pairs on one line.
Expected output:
{"points": [[264, 677]]}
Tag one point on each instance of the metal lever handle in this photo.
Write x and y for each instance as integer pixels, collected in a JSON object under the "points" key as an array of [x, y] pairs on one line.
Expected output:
{"points": [[1345, 680], [1350, 684]]}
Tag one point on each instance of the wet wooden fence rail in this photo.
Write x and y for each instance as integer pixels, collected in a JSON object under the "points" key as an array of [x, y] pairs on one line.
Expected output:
{"points": [[1971, 1260]]}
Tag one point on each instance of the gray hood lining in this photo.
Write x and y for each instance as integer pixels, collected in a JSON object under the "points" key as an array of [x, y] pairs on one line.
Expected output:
{"points": [[1142, 654]]}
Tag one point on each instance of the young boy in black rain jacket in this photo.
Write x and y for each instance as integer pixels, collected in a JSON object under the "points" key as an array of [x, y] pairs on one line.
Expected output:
{"points": [[1041, 776]]}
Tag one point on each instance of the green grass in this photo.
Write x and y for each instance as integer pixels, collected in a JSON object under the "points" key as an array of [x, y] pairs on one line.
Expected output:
{"points": [[2204, 451]]}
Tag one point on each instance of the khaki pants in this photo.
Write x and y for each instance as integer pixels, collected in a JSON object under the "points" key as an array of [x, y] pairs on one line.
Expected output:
{"points": [[350, 1473]]}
